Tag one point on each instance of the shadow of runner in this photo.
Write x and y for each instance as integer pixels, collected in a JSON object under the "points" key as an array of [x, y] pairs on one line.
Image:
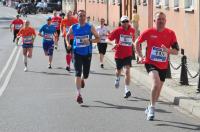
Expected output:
{"points": [[112, 106], [51, 73], [178, 125]]}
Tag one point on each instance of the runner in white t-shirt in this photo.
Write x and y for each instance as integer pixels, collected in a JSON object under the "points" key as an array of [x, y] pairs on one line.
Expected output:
{"points": [[102, 45]]}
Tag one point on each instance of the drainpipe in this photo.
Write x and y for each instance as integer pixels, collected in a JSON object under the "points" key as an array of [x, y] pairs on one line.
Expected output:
{"points": [[107, 4]]}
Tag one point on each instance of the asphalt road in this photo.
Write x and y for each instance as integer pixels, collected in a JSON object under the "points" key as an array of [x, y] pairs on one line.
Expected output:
{"points": [[43, 100]]}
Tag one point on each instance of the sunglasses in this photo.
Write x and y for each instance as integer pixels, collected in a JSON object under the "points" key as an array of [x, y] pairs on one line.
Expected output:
{"points": [[82, 15], [125, 21]]}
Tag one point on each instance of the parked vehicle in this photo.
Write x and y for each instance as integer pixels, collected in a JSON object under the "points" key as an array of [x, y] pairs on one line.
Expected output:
{"points": [[27, 8], [53, 6]]}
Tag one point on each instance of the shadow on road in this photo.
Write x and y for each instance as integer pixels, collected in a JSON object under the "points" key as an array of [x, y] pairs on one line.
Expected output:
{"points": [[51, 73], [112, 106], [178, 125]]}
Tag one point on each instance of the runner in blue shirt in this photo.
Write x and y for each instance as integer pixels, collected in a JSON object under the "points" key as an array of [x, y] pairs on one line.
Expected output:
{"points": [[48, 32], [82, 49]]}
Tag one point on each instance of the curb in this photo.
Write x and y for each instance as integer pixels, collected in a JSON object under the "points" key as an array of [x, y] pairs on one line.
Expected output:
{"points": [[183, 101]]}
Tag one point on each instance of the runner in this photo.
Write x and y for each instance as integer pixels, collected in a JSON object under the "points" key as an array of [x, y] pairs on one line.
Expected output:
{"points": [[28, 36], [56, 21], [65, 25], [102, 45], [159, 41], [48, 32], [82, 48], [17, 25], [124, 38]]}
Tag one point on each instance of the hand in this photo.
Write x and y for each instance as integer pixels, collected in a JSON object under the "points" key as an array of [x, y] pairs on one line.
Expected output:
{"points": [[141, 60], [69, 46], [86, 41], [165, 49]]}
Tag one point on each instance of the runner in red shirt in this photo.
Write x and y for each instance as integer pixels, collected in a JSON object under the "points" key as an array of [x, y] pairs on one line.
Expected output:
{"points": [[28, 36], [17, 25], [65, 25], [124, 38], [161, 42], [56, 21]]}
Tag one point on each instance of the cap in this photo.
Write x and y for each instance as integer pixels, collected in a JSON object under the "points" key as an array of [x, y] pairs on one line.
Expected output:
{"points": [[17, 15], [124, 18], [49, 18]]}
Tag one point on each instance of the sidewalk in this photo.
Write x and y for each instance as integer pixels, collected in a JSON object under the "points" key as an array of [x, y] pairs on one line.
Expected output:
{"points": [[182, 96]]}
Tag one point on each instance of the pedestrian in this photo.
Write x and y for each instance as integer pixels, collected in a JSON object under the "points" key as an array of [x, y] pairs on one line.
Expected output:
{"points": [[161, 42], [103, 32], [124, 38], [28, 36], [56, 21], [82, 48], [65, 25], [49, 34], [15, 26]]}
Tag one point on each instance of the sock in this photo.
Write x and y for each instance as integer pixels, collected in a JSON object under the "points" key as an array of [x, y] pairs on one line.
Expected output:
{"points": [[151, 105], [68, 59], [118, 78], [79, 91], [25, 61], [126, 88]]}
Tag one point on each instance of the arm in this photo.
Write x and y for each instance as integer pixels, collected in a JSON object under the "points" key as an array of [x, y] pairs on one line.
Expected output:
{"points": [[94, 32], [68, 37], [40, 32]]}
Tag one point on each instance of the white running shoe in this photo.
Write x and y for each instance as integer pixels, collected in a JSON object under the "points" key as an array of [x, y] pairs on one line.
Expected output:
{"points": [[25, 69], [117, 83], [150, 113]]}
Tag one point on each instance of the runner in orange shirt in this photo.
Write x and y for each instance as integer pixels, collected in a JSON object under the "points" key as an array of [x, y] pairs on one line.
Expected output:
{"points": [[65, 25], [56, 21], [28, 36]]}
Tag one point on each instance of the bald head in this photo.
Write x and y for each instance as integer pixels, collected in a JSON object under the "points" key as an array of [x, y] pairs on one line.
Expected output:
{"points": [[160, 20]]}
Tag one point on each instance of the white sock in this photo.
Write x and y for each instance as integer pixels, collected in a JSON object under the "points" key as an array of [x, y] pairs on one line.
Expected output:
{"points": [[118, 78], [78, 91], [25, 60], [126, 88], [151, 105]]}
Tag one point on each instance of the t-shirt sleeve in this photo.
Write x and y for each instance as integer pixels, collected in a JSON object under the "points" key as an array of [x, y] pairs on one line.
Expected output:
{"points": [[173, 38], [13, 22], [20, 32], [143, 37], [34, 32], [41, 29], [113, 35]]}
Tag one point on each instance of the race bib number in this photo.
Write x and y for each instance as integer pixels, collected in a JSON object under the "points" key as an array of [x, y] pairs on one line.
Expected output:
{"points": [[158, 55], [126, 40], [18, 26], [103, 38], [48, 37], [79, 41], [28, 40]]}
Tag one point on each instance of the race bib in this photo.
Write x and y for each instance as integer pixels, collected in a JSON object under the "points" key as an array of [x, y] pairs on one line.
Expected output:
{"points": [[48, 37], [55, 24], [158, 55], [103, 38], [67, 29], [126, 40], [18, 26], [28, 40], [79, 41]]}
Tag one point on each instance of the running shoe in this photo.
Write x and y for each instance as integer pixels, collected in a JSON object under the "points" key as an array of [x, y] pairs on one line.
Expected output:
{"points": [[117, 83], [127, 95], [68, 68], [79, 99], [50, 66], [150, 113], [102, 66], [82, 83], [25, 69], [56, 47]]}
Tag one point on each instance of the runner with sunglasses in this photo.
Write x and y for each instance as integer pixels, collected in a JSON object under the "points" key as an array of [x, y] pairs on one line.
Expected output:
{"points": [[82, 50], [124, 38]]}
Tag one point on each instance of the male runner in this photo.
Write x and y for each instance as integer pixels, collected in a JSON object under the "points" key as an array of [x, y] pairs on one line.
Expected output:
{"points": [[65, 25], [56, 21], [124, 38], [82, 49], [102, 45], [28, 36], [49, 34], [161, 42], [17, 25]]}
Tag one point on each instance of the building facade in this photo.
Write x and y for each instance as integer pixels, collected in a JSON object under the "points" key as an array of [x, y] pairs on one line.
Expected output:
{"points": [[182, 16]]}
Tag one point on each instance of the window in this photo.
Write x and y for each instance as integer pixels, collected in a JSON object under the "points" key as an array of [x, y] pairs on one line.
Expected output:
{"points": [[97, 1], [176, 5], [144, 2], [139, 2], [189, 5], [166, 4], [158, 3]]}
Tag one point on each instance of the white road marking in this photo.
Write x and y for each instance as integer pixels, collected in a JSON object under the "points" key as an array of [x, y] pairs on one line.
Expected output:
{"points": [[5, 84], [8, 63]]}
